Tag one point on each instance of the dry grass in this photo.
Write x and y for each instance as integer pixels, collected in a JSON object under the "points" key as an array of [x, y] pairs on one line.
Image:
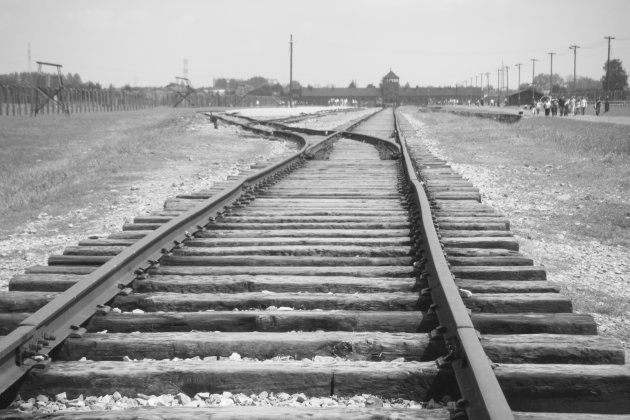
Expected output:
{"points": [[585, 164], [54, 164], [565, 186]]}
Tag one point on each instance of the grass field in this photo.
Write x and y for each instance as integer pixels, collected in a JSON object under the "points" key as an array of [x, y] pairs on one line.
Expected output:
{"points": [[54, 164], [565, 186]]}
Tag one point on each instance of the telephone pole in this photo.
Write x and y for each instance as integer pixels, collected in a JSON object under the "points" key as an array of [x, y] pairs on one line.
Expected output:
{"points": [[608, 62], [481, 83], [533, 77], [488, 82], [551, 73], [519, 82], [498, 87], [507, 84], [574, 48], [291, 71]]}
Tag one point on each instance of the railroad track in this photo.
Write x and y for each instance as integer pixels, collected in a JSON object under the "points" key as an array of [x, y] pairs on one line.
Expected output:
{"points": [[318, 276]]}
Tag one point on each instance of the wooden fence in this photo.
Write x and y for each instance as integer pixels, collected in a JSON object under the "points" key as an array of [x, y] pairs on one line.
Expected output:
{"points": [[16, 101]]}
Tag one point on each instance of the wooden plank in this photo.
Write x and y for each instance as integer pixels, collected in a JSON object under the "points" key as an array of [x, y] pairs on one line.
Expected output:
{"points": [[506, 273], [534, 323], [314, 219], [278, 261], [518, 303], [42, 282], [259, 413], [278, 284], [372, 346], [301, 233], [297, 241], [356, 271], [481, 242], [301, 226], [553, 348], [269, 321], [603, 389], [24, 301], [410, 380], [394, 301], [296, 250], [507, 286], [489, 261]]}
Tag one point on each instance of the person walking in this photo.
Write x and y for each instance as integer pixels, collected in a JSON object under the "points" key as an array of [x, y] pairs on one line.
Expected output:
{"points": [[583, 104], [606, 105], [547, 107], [561, 103], [598, 106]]}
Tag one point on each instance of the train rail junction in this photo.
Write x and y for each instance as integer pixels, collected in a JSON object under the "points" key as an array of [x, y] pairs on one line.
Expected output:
{"points": [[361, 264]]}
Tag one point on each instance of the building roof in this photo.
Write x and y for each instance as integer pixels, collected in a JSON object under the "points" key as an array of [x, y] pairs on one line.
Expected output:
{"points": [[341, 92], [391, 75], [536, 92]]}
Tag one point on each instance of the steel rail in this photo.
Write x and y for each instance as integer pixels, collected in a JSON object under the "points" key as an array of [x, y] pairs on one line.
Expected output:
{"points": [[392, 147], [29, 344], [481, 392]]}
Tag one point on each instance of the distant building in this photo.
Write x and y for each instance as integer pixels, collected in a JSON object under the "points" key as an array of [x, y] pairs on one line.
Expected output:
{"points": [[389, 93], [526, 97]]}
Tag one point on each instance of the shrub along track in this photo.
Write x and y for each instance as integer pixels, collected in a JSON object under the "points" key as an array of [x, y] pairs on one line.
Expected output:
{"points": [[327, 258]]}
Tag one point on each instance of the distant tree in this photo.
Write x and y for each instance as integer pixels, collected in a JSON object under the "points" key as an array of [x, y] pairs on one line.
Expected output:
{"points": [[352, 85], [256, 81], [371, 86], [220, 83], [407, 86], [309, 87], [617, 76], [277, 89], [264, 90], [583, 83], [541, 82]]}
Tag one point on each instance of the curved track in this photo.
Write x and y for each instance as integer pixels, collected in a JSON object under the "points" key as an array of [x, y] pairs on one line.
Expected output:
{"points": [[325, 275]]}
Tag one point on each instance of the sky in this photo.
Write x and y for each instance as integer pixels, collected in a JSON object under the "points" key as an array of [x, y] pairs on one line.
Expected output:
{"points": [[437, 42]]}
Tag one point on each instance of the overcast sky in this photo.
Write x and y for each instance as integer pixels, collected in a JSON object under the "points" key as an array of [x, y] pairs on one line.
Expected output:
{"points": [[438, 42]]}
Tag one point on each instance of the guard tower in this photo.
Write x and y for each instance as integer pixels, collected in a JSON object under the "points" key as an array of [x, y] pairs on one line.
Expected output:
{"points": [[390, 86]]}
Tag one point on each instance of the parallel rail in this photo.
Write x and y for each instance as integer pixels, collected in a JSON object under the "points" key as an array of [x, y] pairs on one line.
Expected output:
{"points": [[28, 345], [481, 393]]}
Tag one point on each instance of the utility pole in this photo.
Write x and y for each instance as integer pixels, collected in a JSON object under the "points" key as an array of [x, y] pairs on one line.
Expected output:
{"points": [[481, 83], [574, 48], [608, 62], [28, 67], [498, 87], [291, 71], [533, 77], [551, 73], [488, 82], [519, 82], [507, 84]]}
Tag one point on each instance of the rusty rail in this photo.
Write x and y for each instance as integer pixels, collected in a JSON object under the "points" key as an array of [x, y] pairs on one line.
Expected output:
{"points": [[481, 393], [29, 344]]}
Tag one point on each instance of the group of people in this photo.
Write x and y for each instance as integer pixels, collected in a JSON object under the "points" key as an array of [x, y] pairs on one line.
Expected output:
{"points": [[564, 107]]}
